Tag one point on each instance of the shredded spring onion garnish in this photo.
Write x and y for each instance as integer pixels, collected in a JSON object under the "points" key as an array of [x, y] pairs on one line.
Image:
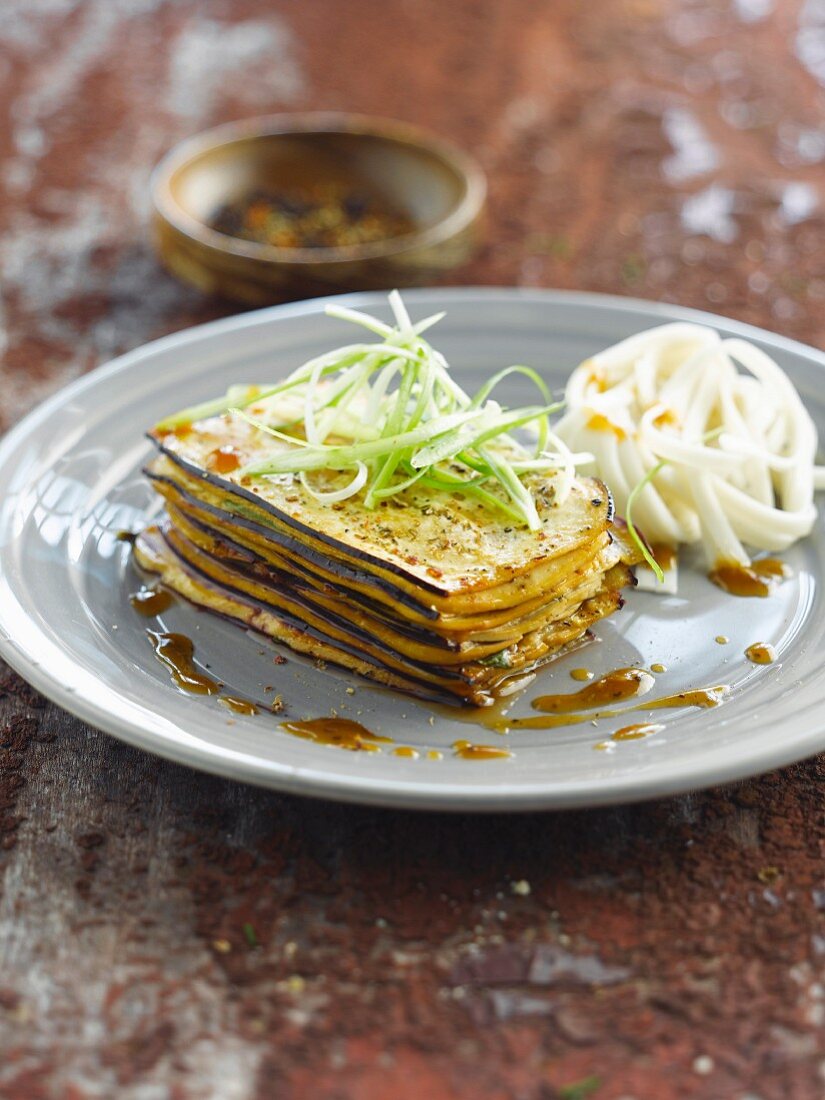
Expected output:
{"points": [[390, 414], [631, 526], [693, 447]]}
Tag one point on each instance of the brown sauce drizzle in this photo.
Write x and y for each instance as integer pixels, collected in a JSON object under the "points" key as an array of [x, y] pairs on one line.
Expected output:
{"points": [[615, 687], [151, 601], [635, 733], [665, 555], [548, 721], [342, 733], [176, 652], [758, 579], [468, 751], [773, 567], [699, 697], [761, 653], [239, 706], [491, 717], [223, 460]]}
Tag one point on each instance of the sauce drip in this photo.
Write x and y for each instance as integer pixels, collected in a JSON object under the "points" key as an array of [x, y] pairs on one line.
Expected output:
{"points": [[600, 423], [223, 460], [623, 683], [240, 706], [657, 667], [434, 754], [700, 697], [581, 674], [176, 652], [761, 653], [491, 717], [721, 639], [126, 536], [758, 579], [547, 721], [773, 567], [342, 733], [665, 555], [635, 733], [406, 750], [468, 751], [151, 601]]}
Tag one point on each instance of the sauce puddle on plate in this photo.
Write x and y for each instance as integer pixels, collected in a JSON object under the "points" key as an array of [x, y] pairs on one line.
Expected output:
{"points": [[581, 674], [491, 718], [466, 750], [342, 733], [615, 687], [151, 601], [761, 653], [698, 697], [635, 733], [176, 651], [239, 706], [760, 578]]}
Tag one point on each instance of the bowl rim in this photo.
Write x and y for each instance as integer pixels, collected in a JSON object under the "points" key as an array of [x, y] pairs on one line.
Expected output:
{"points": [[466, 169]]}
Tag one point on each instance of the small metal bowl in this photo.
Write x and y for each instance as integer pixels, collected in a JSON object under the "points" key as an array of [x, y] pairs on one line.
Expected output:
{"points": [[436, 186]]}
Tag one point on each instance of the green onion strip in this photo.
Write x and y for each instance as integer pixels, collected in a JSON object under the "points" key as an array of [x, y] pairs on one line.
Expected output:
{"points": [[391, 415], [633, 496]]}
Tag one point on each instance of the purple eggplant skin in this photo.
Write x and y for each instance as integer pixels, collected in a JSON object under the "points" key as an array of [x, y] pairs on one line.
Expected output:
{"points": [[398, 595], [255, 568], [419, 688], [349, 628], [341, 548], [370, 561], [413, 667]]}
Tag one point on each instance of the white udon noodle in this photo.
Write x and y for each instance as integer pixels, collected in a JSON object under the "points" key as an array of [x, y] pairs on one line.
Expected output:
{"points": [[738, 443]]}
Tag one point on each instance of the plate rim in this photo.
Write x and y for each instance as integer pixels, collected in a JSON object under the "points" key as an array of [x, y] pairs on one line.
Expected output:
{"points": [[322, 781]]}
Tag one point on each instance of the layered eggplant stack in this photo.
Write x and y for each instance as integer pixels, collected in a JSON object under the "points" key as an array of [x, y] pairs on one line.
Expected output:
{"points": [[442, 563], [427, 593]]}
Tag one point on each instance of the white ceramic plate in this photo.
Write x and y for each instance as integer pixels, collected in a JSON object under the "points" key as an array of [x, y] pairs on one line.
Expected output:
{"points": [[70, 479]]}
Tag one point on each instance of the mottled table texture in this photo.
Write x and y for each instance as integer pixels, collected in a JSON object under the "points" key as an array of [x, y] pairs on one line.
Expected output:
{"points": [[169, 935]]}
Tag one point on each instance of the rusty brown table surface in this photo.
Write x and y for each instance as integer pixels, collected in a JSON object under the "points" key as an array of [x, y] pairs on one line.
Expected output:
{"points": [[166, 934]]}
